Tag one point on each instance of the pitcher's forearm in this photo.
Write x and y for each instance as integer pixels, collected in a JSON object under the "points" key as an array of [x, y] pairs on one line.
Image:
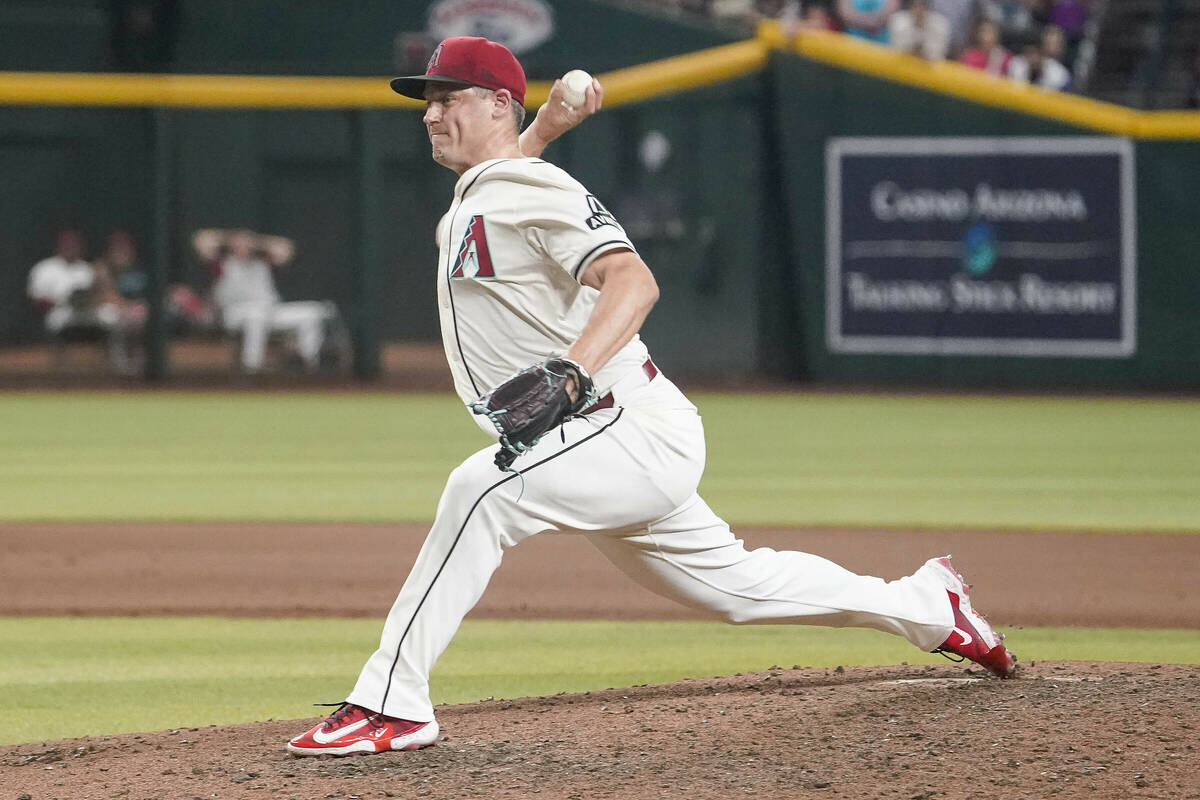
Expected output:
{"points": [[627, 293]]}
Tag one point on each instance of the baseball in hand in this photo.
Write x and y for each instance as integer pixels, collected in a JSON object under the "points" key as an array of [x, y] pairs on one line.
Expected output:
{"points": [[575, 86]]}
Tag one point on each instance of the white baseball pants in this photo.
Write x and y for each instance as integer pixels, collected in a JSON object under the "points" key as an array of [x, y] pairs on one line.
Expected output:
{"points": [[626, 479], [256, 321]]}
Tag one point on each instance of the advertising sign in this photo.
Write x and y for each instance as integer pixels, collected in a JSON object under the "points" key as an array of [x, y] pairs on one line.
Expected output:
{"points": [[974, 246], [519, 25]]}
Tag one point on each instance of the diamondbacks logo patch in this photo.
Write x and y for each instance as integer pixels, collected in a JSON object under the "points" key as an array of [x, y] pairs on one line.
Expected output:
{"points": [[600, 215], [435, 60], [474, 259]]}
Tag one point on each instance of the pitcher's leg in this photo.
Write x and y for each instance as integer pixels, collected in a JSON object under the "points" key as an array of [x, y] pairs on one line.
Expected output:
{"points": [[562, 486], [474, 523], [692, 557]]}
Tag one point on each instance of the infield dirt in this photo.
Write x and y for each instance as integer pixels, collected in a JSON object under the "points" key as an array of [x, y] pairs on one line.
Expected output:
{"points": [[1060, 730], [1019, 578]]}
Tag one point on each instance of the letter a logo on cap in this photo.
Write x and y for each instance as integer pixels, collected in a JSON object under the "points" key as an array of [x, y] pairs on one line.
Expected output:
{"points": [[474, 259], [435, 60]]}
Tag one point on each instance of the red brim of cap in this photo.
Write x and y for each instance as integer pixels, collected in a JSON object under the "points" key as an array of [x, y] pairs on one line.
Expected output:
{"points": [[414, 85]]}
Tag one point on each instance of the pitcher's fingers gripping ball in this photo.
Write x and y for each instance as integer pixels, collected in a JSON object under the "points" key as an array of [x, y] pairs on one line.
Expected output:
{"points": [[575, 85], [532, 402], [569, 104]]}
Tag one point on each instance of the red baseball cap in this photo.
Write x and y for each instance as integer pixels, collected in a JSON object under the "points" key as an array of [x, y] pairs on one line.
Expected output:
{"points": [[467, 61]]}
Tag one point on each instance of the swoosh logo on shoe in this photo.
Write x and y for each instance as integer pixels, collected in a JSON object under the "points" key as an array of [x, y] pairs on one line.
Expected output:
{"points": [[966, 639], [320, 737]]}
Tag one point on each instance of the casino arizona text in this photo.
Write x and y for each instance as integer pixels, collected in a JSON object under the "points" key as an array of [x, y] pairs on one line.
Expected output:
{"points": [[891, 202]]}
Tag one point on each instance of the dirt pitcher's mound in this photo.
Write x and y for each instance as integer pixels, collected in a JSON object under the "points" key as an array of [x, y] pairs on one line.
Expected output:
{"points": [[1062, 729]]}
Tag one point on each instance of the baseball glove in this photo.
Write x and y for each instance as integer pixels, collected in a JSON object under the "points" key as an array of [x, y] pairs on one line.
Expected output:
{"points": [[532, 402]]}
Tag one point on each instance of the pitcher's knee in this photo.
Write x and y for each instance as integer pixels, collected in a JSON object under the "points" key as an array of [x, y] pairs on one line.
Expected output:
{"points": [[474, 476], [722, 610], [478, 477], [738, 616]]}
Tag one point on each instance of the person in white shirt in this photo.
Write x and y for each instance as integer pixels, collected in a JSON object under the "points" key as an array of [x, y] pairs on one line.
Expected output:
{"points": [[920, 31], [531, 265], [69, 292], [61, 287], [248, 301], [1039, 65]]}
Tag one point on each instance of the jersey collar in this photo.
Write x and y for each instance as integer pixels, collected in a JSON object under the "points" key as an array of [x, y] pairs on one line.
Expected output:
{"points": [[467, 178]]}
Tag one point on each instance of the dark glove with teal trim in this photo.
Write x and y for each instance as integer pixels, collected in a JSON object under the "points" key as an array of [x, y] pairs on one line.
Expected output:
{"points": [[532, 402]]}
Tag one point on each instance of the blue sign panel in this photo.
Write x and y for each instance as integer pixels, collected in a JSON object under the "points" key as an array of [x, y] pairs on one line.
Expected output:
{"points": [[967, 246]]}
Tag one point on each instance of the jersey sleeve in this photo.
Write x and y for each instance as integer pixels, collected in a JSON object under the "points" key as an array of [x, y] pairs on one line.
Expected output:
{"points": [[571, 227]]}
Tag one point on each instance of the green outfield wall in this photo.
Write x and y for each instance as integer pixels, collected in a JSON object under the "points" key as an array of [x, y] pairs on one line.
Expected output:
{"points": [[328, 37], [816, 103], [746, 174]]}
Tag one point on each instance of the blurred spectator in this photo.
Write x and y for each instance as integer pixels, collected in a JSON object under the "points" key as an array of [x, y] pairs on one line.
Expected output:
{"points": [[1040, 9], [121, 281], [245, 295], [1014, 18], [125, 282], [1054, 43], [1039, 64], [119, 264], [729, 10], [818, 16], [64, 288], [1071, 16], [793, 15], [986, 53], [786, 11], [867, 19], [750, 12], [961, 16], [920, 31], [53, 280]]}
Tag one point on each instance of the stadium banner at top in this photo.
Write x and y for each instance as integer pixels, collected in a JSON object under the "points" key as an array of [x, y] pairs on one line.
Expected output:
{"points": [[981, 246]]}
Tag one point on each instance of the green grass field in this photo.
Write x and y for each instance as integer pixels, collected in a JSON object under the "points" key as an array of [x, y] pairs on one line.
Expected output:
{"points": [[841, 460], [1053, 463], [73, 677]]}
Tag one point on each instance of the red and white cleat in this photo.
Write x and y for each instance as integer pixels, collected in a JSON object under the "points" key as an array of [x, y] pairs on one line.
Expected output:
{"points": [[972, 637], [353, 729]]}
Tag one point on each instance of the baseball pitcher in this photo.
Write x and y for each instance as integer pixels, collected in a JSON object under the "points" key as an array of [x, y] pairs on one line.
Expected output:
{"points": [[541, 295]]}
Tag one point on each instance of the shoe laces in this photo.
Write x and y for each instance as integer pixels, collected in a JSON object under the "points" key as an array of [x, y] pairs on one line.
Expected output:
{"points": [[339, 716], [344, 710], [950, 654]]}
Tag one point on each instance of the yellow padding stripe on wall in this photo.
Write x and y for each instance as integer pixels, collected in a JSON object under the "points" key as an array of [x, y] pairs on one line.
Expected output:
{"points": [[196, 91], [273, 92], [956, 80], [679, 73], [643, 82]]}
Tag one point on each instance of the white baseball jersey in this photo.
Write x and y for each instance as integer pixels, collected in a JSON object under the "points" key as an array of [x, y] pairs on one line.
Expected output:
{"points": [[518, 236], [244, 281], [52, 280]]}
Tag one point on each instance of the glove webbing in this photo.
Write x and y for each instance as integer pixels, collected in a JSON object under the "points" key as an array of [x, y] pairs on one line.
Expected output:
{"points": [[510, 450]]}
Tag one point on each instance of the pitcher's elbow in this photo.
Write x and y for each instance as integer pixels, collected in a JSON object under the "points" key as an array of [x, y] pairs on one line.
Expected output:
{"points": [[651, 291]]}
